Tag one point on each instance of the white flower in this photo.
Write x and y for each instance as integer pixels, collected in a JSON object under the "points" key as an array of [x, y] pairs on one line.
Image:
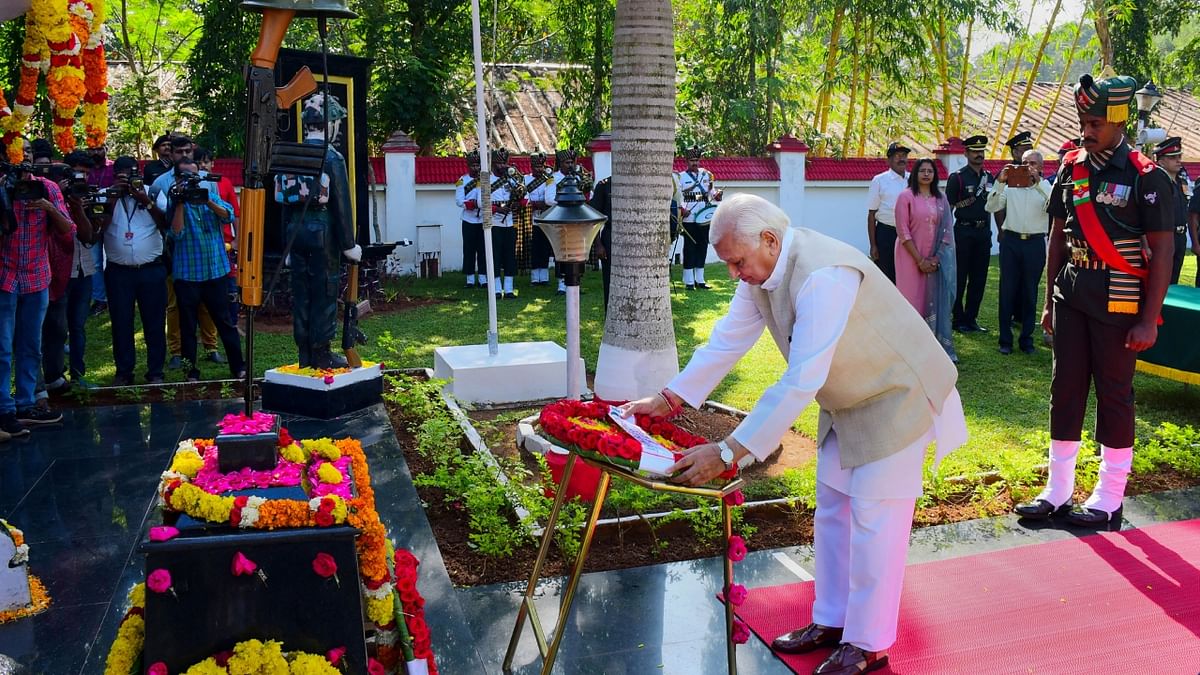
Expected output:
{"points": [[21, 557], [250, 511], [379, 593]]}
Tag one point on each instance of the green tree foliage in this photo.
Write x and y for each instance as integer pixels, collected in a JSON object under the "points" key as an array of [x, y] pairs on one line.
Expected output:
{"points": [[584, 30], [216, 83]]}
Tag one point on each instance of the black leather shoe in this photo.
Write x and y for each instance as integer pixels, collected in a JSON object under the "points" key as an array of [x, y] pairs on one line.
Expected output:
{"points": [[702, 286], [1040, 509], [1006, 350], [850, 660], [976, 328], [689, 287], [1028, 349], [1085, 517], [807, 639]]}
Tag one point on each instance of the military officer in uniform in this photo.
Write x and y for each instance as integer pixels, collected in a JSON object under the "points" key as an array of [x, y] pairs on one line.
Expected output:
{"points": [[1103, 298], [535, 192], [508, 194], [319, 241], [699, 203], [1169, 154], [466, 196], [967, 190], [565, 163], [1018, 145]]}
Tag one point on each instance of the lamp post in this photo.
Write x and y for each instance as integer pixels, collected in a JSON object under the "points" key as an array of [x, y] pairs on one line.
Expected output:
{"points": [[1148, 98], [571, 226]]}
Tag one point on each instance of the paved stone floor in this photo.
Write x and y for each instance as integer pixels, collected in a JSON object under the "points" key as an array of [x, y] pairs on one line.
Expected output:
{"points": [[83, 490]]}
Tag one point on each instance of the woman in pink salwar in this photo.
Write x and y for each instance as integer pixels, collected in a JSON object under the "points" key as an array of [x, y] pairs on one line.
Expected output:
{"points": [[925, 250]]}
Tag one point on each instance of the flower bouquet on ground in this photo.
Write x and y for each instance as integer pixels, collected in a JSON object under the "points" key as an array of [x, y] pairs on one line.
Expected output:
{"points": [[586, 428]]}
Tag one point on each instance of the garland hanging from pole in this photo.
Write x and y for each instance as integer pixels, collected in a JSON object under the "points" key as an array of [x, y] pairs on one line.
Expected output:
{"points": [[63, 41]]}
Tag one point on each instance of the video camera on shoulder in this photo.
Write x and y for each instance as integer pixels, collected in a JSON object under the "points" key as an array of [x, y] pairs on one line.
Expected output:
{"points": [[188, 188], [18, 188]]}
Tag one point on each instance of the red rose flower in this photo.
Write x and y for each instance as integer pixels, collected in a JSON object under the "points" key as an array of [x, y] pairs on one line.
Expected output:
{"points": [[740, 632], [375, 668], [737, 548], [324, 565], [158, 668], [735, 498], [323, 518]]}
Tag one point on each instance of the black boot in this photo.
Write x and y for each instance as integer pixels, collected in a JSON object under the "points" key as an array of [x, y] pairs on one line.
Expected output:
{"points": [[322, 357], [305, 355]]}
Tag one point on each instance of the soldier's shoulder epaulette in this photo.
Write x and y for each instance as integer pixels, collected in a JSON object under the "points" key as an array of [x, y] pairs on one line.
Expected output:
{"points": [[1143, 163]]}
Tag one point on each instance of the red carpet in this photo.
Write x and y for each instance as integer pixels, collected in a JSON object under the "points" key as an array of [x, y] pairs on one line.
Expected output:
{"points": [[1124, 602]]}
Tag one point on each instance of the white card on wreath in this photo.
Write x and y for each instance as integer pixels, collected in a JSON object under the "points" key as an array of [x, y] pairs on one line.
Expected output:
{"points": [[655, 458]]}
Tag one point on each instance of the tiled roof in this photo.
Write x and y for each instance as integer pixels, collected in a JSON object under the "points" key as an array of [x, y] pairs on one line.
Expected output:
{"points": [[859, 168], [522, 104], [447, 170], [736, 168]]}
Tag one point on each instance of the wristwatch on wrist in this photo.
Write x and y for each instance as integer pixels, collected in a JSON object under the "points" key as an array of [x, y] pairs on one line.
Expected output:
{"points": [[726, 455]]}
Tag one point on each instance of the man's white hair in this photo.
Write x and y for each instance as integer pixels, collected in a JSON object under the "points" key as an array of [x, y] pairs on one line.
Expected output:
{"points": [[747, 216]]}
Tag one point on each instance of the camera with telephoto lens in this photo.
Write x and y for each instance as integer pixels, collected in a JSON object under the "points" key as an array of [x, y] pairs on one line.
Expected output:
{"points": [[188, 188], [97, 201], [17, 188]]}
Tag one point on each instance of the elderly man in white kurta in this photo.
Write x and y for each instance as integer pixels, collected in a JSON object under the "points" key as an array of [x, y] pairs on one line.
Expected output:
{"points": [[885, 389]]}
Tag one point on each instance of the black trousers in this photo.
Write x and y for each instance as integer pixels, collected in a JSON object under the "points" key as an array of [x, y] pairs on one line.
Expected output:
{"points": [[188, 296], [1181, 248], [474, 261], [973, 249], [144, 288], [885, 242], [1086, 352], [1021, 265], [695, 245], [504, 246], [539, 253]]}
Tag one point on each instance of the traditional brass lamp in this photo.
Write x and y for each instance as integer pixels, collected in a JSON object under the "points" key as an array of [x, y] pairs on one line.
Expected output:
{"points": [[571, 226], [1148, 98]]}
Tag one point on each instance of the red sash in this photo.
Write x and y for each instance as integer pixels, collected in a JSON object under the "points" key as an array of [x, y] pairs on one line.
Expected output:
{"points": [[1089, 221]]}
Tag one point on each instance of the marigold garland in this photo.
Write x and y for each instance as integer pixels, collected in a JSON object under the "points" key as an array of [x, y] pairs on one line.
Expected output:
{"points": [[131, 635], [39, 600]]}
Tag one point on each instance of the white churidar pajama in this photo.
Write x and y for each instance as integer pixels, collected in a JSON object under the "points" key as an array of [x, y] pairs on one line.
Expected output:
{"points": [[864, 514]]}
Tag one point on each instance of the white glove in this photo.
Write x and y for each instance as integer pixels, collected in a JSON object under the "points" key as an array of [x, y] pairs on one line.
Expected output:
{"points": [[353, 254]]}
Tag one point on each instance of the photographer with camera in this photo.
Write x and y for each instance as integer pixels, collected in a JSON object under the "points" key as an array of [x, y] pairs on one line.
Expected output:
{"points": [[199, 263], [72, 269], [136, 273], [181, 147], [1022, 191], [39, 217]]}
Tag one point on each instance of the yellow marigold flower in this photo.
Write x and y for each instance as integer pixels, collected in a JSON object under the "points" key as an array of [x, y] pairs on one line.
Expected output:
{"points": [[328, 473], [137, 595], [206, 667], [311, 664], [322, 447], [381, 611], [294, 453], [187, 462]]}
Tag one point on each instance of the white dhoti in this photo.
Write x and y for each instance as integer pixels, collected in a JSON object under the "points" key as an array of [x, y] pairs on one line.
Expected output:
{"points": [[861, 529]]}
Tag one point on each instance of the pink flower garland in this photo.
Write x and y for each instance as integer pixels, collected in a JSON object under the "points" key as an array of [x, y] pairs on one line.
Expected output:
{"points": [[342, 489], [211, 480], [240, 425]]}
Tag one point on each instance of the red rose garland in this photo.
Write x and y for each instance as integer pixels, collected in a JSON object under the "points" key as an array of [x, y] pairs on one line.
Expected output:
{"points": [[414, 607], [585, 426]]}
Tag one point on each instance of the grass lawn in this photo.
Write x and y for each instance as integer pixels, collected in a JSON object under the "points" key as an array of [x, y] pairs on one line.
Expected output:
{"points": [[1005, 397]]}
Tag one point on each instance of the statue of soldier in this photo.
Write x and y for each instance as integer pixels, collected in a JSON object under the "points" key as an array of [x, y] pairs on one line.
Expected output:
{"points": [[320, 224]]}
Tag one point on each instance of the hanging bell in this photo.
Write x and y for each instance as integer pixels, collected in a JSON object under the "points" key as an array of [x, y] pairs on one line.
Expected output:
{"points": [[334, 9]]}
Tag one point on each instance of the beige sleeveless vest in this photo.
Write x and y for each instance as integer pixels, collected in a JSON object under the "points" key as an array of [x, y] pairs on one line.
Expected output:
{"points": [[887, 369]]}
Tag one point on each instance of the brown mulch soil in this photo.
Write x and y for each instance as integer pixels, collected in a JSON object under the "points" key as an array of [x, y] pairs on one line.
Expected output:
{"points": [[282, 323], [633, 544]]}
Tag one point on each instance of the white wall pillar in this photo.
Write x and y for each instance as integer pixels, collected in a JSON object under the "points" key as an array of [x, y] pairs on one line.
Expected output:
{"points": [[790, 154], [400, 160], [950, 154], [601, 149]]}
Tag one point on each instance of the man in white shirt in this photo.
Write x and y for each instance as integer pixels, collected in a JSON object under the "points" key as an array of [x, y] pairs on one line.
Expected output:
{"points": [[1022, 248], [136, 273], [881, 209], [466, 196], [885, 388]]}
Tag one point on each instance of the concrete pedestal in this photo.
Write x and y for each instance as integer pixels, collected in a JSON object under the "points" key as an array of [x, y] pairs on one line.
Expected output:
{"points": [[521, 371]]}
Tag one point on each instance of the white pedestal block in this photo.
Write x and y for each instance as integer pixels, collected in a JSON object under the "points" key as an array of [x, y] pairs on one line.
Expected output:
{"points": [[14, 581], [521, 371]]}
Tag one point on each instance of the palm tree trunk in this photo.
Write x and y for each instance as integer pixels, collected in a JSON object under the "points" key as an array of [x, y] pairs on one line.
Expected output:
{"points": [[637, 354]]}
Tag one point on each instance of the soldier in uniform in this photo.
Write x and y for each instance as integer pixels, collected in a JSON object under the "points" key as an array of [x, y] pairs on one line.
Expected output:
{"points": [[535, 192], [699, 197], [1018, 145], [565, 163], [320, 240], [1103, 298], [507, 196], [1169, 154], [466, 196], [967, 190]]}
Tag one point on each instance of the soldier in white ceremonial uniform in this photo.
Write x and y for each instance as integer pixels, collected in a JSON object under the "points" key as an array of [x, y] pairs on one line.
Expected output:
{"points": [[885, 388], [535, 192], [699, 201], [565, 163], [508, 193], [466, 196]]}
